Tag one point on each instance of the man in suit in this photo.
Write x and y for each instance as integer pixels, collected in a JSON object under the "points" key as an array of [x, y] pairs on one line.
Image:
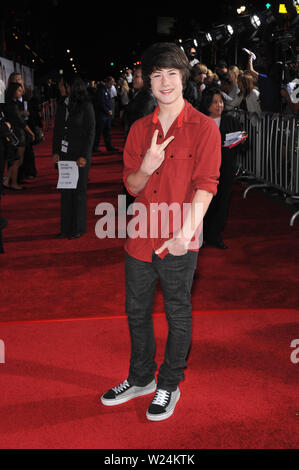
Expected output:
{"points": [[103, 111]]}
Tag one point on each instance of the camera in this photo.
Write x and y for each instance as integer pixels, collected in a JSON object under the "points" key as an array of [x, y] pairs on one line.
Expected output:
{"points": [[7, 132]]}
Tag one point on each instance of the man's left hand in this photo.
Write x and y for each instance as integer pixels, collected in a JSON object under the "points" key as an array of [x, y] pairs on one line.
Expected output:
{"points": [[176, 246]]}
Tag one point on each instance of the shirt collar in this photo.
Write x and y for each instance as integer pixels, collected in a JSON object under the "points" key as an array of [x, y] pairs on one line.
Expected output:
{"points": [[180, 117]]}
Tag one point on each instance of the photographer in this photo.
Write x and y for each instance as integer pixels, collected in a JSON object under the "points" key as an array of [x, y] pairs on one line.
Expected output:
{"points": [[192, 56], [8, 142], [20, 127], [290, 91], [269, 85]]}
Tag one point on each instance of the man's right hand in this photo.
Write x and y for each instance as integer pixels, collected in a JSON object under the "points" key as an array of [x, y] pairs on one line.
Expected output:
{"points": [[55, 158], [155, 155]]}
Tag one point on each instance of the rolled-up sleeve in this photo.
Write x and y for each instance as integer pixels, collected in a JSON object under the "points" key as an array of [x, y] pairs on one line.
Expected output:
{"points": [[208, 158]]}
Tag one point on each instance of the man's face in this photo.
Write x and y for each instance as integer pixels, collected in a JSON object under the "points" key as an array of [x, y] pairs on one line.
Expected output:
{"points": [[166, 85], [19, 93], [137, 79], [17, 79]]}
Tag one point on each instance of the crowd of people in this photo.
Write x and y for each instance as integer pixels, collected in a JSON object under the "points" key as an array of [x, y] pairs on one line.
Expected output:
{"points": [[250, 90], [184, 161], [125, 98], [128, 99], [20, 128], [21, 115]]}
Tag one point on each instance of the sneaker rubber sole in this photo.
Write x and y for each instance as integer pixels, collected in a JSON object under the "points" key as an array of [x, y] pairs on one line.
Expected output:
{"points": [[167, 414], [134, 392]]}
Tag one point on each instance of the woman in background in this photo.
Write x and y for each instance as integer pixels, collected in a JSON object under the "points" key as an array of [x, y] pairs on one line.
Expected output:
{"points": [[249, 96], [212, 105], [20, 126], [73, 138], [123, 95]]}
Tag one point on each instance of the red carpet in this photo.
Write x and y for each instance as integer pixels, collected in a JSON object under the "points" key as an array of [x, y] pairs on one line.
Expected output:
{"points": [[241, 388], [240, 391]]}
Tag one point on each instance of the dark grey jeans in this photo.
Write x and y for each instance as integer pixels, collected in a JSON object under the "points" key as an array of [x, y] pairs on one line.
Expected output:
{"points": [[176, 276]]}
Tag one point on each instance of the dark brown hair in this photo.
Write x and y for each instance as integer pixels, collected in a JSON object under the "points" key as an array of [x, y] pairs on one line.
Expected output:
{"points": [[207, 99], [164, 55], [10, 92]]}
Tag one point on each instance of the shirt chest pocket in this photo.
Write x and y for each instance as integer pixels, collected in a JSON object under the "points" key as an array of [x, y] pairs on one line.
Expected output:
{"points": [[180, 164]]}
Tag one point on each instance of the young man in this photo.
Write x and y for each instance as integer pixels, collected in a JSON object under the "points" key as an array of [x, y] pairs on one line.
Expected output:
{"points": [[172, 157]]}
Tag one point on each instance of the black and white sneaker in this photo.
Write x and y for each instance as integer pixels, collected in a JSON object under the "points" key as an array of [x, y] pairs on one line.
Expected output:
{"points": [[163, 404], [125, 392]]}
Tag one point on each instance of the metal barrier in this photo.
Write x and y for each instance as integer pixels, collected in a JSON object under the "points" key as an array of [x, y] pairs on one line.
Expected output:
{"points": [[271, 154], [48, 109]]}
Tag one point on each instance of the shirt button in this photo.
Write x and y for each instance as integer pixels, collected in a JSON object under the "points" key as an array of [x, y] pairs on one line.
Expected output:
{"points": [[190, 156], [171, 156], [157, 172], [155, 191]]}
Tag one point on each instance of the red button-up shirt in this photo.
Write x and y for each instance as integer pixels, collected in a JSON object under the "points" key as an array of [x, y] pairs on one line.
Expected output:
{"points": [[192, 161]]}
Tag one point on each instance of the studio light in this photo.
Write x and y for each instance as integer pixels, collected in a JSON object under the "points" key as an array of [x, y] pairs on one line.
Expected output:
{"points": [[229, 29], [223, 32], [209, 37], [241, 10], [255, 21]]}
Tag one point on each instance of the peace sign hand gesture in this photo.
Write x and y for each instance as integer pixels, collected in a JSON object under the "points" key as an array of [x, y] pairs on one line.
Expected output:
{"points": [[154, 157]]}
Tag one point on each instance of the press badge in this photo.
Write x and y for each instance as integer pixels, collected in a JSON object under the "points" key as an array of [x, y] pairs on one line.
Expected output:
{"points": [[64, 146]]}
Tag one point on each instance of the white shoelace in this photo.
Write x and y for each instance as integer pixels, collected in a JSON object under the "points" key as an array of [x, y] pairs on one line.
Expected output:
{"points": [[120, 388], [161, 397]]}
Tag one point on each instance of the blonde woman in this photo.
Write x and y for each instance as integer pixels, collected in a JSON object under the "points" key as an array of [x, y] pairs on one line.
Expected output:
{"points": [[233, 74], [233, 91], [123, 94], [249, 94]]}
